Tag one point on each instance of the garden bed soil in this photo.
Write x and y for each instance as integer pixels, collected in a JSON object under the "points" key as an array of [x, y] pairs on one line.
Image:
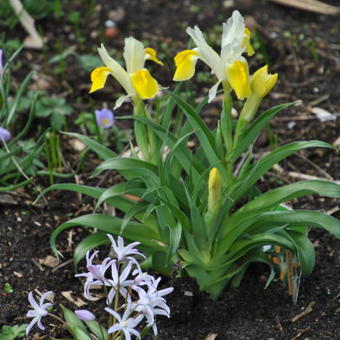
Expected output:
{"points": [[304, 48]]}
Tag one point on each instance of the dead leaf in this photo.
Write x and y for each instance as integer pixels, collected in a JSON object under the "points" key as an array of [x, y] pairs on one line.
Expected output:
{"points": [[33, 40], [49, 261], [310, 5], [78, 302], [18, 274]]}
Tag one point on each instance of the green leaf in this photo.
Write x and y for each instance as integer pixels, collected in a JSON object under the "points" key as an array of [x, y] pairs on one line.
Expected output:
{"points": [[267, 162], [101, 150], [99, 331], [109, 224], [204, 135], [285, 193], [72, 321], [90, 242], [12, 332], [249, 134]]}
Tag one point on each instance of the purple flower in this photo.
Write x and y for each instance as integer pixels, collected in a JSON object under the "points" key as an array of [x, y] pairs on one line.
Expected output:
{"points": [[96, 273], [125, 323], [119, 280], [84, 315], [5, 135], [104, 118], [151, 303], [121, 252], [38, 311]]}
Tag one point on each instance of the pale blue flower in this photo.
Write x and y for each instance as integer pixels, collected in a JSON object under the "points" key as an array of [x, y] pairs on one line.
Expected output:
{"points": [[125, 323], [5, 135], [84, 315], [122, 252], [38, 311], [119, 281], [104, 118], [96, 273], [152, 303]]}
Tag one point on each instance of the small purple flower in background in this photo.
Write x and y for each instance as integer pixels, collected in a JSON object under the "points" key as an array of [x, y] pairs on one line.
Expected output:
{"points": [[84, 315], [38, 311], [104, 118], [5, 135]]}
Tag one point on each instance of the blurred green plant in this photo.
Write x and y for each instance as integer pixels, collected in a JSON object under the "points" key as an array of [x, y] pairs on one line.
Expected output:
{"points": [[12, 332], [37, 9]]}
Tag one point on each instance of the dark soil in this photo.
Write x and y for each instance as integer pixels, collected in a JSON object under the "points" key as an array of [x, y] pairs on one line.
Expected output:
{"points": [[304, 48]]}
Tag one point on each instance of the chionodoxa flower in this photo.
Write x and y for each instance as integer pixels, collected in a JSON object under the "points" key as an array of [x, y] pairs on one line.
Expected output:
{"points": [[230, 67], [104, 118], [136, 79]]}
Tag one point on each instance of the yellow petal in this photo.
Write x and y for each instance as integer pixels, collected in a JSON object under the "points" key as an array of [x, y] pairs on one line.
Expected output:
{"points": [[238, 78], [246, 42], [98, 78], [145, 85], [263, 82], [185, 62], [151, 54]]}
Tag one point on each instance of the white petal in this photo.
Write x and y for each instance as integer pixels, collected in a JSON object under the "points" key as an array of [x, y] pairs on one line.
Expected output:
{"points": [[134, 55], [120, 101], [117, 71], [233, 29], [207, 54], [212, 91]]}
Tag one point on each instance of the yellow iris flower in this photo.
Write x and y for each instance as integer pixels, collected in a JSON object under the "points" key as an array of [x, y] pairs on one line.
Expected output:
{"points": [[230, 67], [136, 80]]}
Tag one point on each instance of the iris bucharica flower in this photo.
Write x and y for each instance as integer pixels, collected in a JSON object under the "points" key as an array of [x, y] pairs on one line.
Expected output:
{"points": [[136, 79], [104, 118], [5, 135], [230, 67]]}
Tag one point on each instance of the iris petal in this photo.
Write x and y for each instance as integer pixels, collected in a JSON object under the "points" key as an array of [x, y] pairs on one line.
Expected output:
{"points": [[98, 78], [185, 62], [145, 85], [238, 78]]}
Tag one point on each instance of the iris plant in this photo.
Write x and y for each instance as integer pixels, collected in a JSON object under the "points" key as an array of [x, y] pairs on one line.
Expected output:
{"points": [[199, 209]]}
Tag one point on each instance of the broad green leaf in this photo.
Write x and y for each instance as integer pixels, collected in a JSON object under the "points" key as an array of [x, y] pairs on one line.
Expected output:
{"points": [[72, 321], [267, 162], [285, 193], [88, 243], [109, 224], [249, 134], [204, 135]]}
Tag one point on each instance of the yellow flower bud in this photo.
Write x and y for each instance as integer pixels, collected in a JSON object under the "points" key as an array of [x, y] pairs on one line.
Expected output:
{"points": [[262, 81], [214, 186]]}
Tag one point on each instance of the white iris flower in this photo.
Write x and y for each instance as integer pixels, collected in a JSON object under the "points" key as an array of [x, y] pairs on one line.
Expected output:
{"points": [[230, 67]]}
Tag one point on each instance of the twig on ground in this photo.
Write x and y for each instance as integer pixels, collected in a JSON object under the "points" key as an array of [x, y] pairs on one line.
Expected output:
{"points": [[299, 175], [305, 312]]}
